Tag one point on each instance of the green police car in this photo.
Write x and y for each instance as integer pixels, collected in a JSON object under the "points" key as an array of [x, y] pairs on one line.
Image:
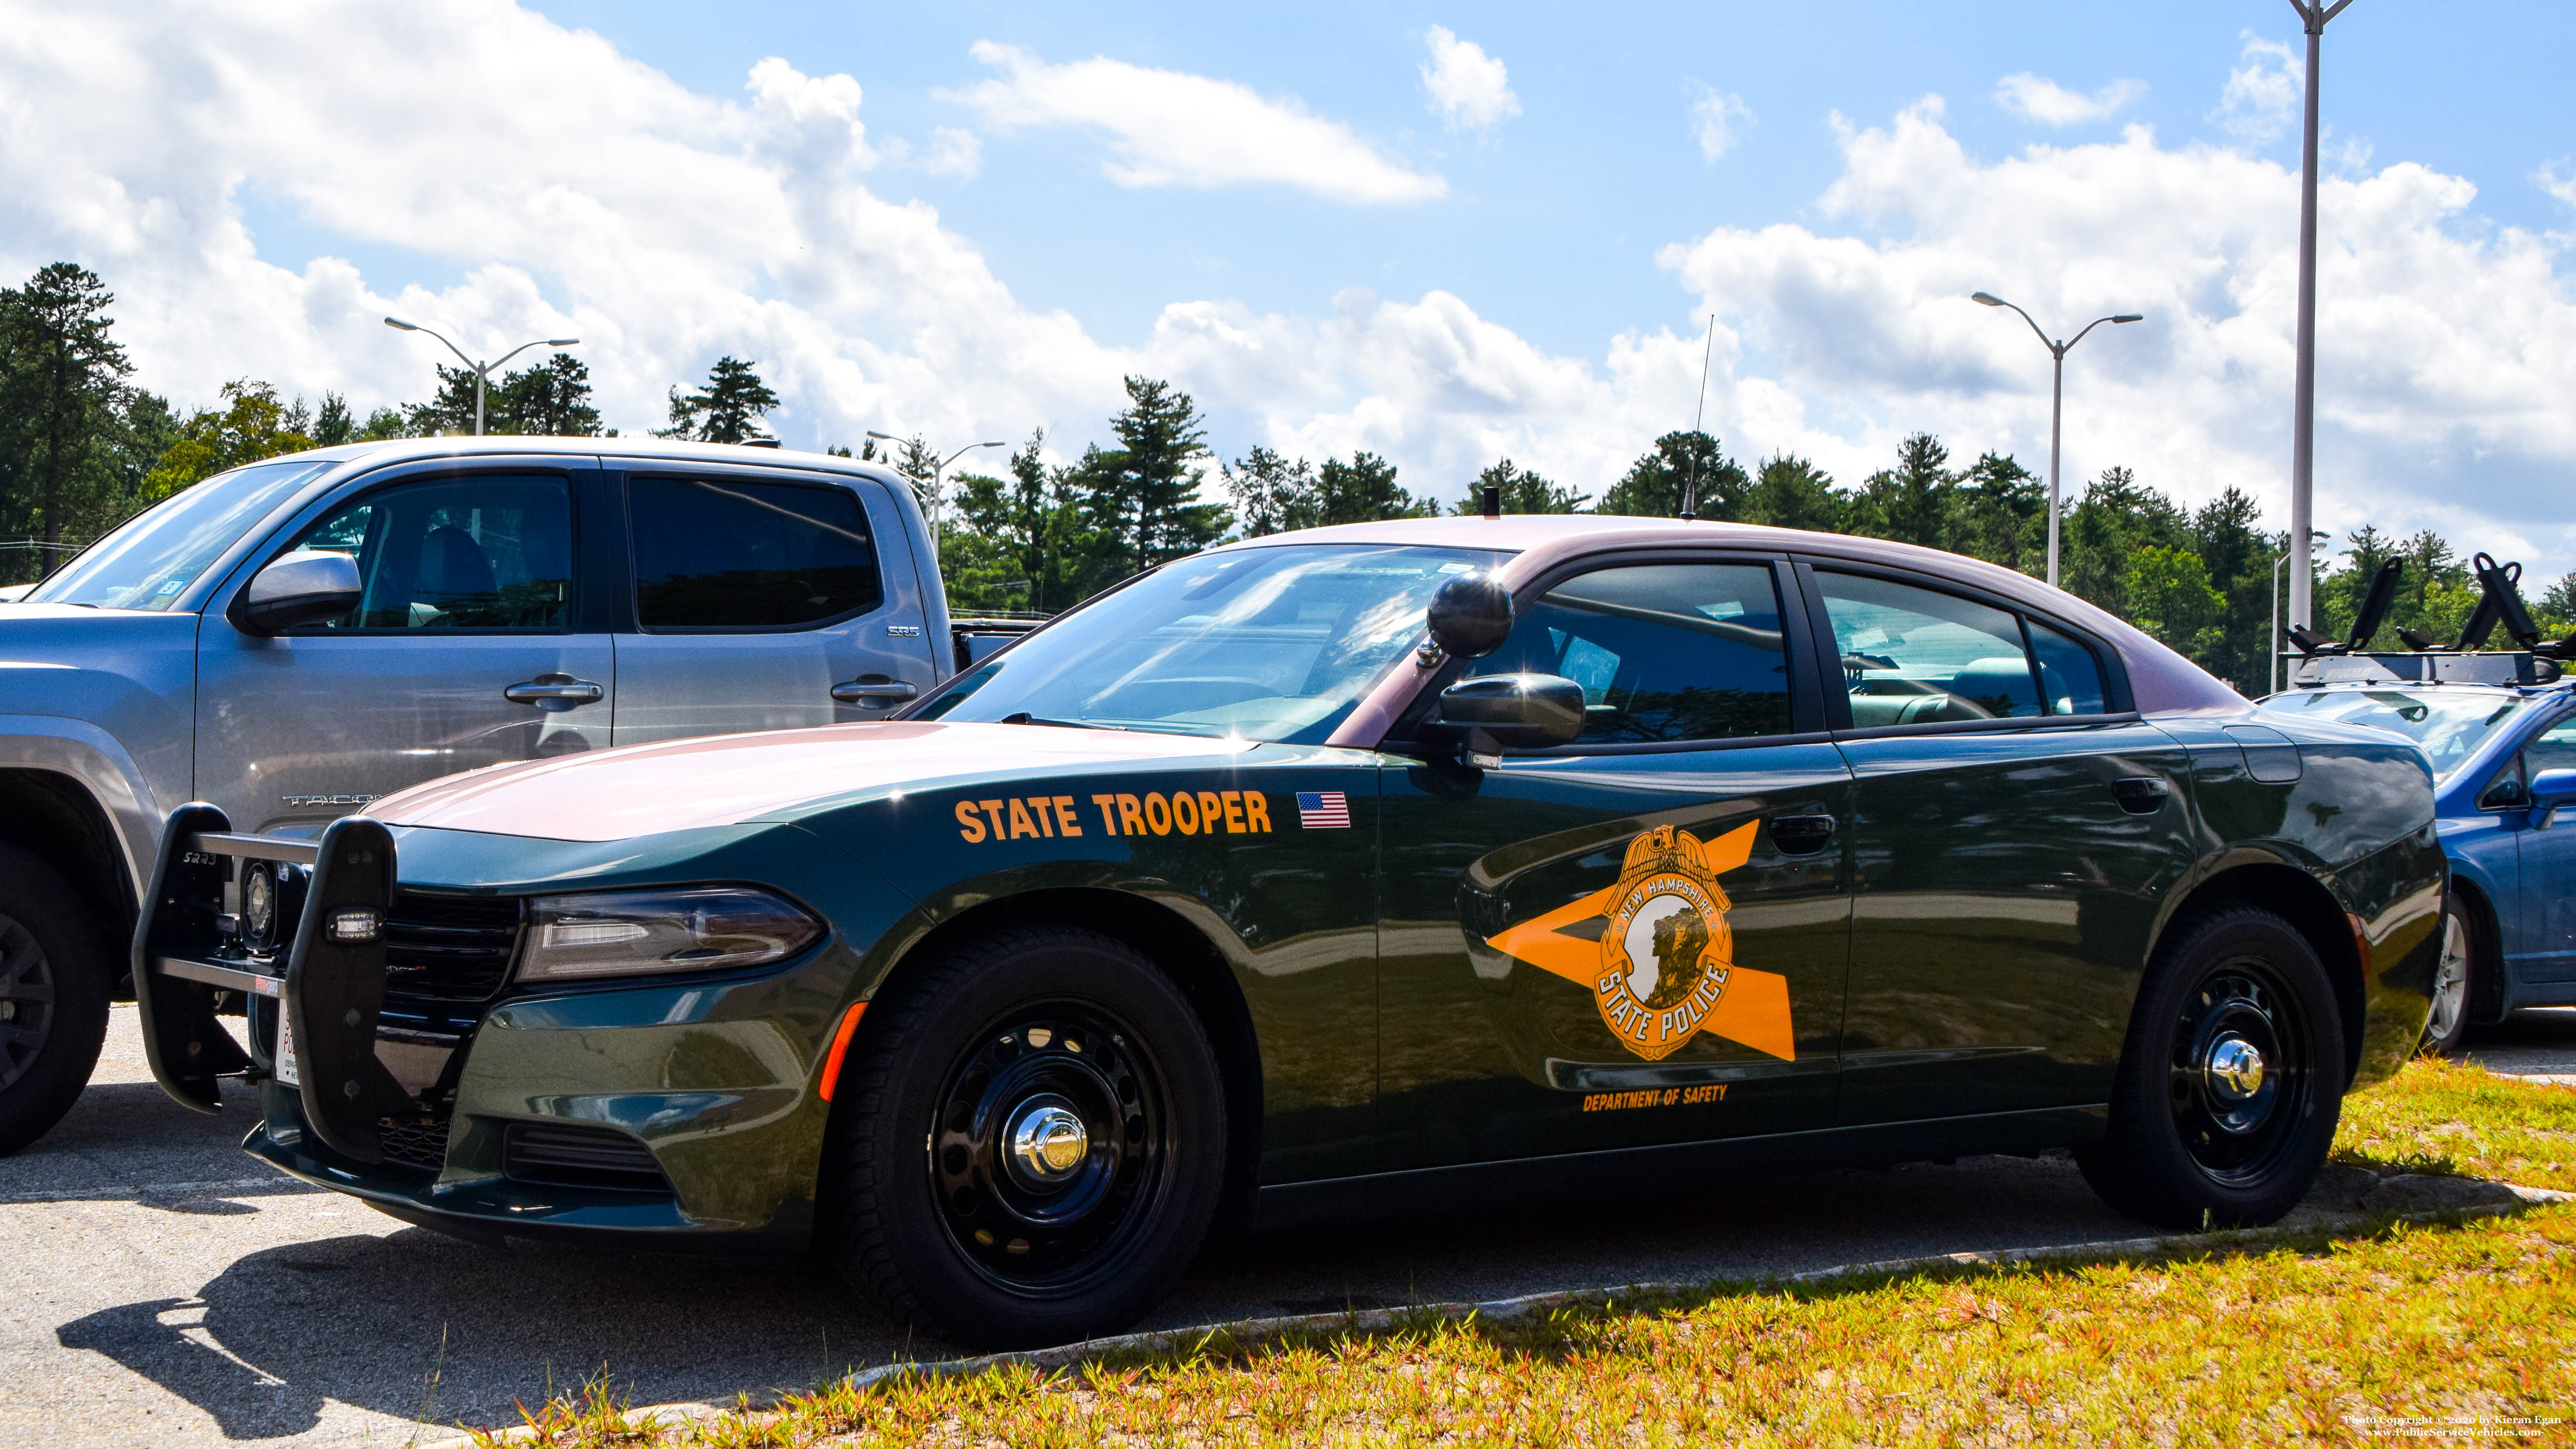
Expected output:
{"points": [[1385, 865]]}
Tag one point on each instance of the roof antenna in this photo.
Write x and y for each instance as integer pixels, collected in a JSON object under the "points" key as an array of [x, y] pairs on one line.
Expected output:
{"points": [[1690, 484]]}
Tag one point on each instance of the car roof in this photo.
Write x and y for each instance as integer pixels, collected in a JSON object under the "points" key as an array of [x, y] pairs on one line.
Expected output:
{"points": [[2160, 680], [399, 450]]}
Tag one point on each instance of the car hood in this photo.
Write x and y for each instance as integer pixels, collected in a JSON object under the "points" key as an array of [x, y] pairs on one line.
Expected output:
{"points": [[731, 779]]}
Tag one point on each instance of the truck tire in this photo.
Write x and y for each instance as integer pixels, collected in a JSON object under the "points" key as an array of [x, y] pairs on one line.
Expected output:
{"points": [[1028, 1142], [2231, 1080], [54, 975]]}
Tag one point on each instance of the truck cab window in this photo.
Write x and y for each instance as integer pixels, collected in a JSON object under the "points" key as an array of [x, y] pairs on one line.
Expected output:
{"points": [[726, 554]]}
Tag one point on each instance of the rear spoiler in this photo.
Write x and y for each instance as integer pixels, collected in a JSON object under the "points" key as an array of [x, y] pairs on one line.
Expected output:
{"points": [[329, 983]]}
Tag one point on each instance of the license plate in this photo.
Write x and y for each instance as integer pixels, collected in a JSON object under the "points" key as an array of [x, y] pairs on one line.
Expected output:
{"points": [[286, 1049]]}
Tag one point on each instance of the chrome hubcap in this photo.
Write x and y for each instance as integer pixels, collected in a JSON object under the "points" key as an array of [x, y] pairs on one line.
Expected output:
{"points": [[1048, 1140], [2234, 1068]]}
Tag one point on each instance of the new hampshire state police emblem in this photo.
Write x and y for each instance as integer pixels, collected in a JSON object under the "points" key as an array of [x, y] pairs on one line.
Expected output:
{"points": [[1664, 967]]}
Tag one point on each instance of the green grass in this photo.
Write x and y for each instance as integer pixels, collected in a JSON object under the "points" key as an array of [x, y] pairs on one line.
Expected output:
{"points": [[2297, 1341]]}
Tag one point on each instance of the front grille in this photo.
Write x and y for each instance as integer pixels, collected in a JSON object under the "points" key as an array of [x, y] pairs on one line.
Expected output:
{"points": [[445, 956], [554, 1155], [415, 1141]]}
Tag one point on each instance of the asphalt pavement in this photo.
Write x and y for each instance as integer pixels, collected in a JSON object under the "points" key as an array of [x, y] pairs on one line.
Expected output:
{"points": [[173, 1292]]}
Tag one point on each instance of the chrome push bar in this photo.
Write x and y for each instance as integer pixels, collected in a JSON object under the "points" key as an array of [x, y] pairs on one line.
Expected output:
{"points": [[327, 979]]}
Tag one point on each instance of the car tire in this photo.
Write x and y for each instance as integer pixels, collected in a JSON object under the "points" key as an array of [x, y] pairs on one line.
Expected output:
{"points": [[2455, 984], [1029, 1142], [54, 976], [2231, 1080]]}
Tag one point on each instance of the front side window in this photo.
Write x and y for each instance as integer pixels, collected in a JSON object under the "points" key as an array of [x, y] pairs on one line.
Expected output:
{"points": [[726, 554], [1919, 656], [1664, 652], [456, 554], [2554, 750]]}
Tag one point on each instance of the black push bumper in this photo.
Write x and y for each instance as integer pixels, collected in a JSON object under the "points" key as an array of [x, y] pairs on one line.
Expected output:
{"points": [[326, 978]]}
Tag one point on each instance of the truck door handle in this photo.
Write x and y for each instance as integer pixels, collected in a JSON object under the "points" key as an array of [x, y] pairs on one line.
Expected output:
{"points": [[2140, 794], [1801, 834], [874, 691], [554, 693]]}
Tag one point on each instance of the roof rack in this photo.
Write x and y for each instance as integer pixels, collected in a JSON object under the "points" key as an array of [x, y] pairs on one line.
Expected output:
{"points": [[2341, 661]]}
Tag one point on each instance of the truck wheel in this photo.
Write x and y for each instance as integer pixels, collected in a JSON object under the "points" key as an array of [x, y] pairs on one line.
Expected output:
{"points": [[1028, 1143], [54, 974], [2231, 1081], [2448, 1023]]}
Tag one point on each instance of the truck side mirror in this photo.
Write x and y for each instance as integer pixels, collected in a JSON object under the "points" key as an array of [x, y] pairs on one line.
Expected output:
{"points": [[1471, 616], [308, 586], [1518, 711]]}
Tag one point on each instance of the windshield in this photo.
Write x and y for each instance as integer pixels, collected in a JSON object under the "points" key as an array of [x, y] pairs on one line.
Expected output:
{"points": [[150, 560], [2449, 723], [1272, 644]]}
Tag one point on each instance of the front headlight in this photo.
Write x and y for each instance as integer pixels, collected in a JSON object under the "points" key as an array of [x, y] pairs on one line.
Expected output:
{"points": [[683, 928]]}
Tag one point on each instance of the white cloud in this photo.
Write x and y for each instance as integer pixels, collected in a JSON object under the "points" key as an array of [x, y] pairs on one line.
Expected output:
{"points": [[1716, 118], [569, 191], [1170, 128], [1469, 90], [2445, 351], [2263, 92], [2549, 178], [953, 153], [2043, 100]]}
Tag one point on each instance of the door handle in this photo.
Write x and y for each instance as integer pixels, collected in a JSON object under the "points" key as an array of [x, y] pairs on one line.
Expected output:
{"points": [[554, 693], [2140, 794], [874, 691], [1801, 834]]}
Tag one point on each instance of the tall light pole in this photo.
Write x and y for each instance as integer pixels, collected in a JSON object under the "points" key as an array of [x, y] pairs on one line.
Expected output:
{"points": [[936, 471], [482, 370], [2276, 618], [2303, 408], [2056, 404]]}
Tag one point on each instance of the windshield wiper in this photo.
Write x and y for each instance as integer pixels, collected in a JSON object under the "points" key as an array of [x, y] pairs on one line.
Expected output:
{"points": [[1024, 717]]}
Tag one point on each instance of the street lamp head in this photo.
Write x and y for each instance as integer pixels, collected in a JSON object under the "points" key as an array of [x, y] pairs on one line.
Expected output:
{"points": [[1987, 298], [2130, 317], [400, 325], [882, 437], [562, 341], [992, 445]]}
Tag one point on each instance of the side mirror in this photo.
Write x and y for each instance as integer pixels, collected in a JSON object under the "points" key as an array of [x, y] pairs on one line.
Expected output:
{"points": [[307, 586], [1520, 711], [1471, 616], [2551, 789]]}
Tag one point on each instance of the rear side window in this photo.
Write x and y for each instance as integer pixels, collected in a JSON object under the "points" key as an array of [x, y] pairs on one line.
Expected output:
{"points": [[1663, 651], [1918, 656], [474, 553], [2070, 677], [727, 554]]}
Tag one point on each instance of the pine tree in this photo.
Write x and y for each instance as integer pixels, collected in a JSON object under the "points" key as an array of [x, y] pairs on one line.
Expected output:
{"points": [[727, 410], [333, 426], [1910, 502], [1522, 491], [1139, 500], [548, 400], [1271, 494], [1793, 493], [2003, 515], [61, 378], [1682, 464]]}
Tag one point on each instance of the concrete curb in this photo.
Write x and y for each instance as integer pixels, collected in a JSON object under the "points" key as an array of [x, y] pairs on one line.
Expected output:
{"points": [[1246, 1331]]}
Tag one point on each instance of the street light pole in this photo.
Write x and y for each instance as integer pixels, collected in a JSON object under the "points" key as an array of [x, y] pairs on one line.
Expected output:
{"points": [[482, 370], [2313, 14], [2056, 403], [2276, 619], [937, 471]]}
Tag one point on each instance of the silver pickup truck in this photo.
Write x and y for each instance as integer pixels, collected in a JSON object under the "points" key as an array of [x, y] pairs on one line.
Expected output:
{"points": [[295, 638]]}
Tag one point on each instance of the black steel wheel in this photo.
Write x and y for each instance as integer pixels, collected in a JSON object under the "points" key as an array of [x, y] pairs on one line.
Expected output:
{"points": [[2231, 1081], [1029, 1143], [54, 975], [2446, 1026]]}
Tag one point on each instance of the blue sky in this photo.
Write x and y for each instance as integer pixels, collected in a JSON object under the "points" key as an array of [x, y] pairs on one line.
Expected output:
{"points": [[972, 220]]}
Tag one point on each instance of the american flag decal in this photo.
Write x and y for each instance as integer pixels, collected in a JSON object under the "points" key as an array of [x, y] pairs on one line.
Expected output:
{"points": [[1323, 810]]}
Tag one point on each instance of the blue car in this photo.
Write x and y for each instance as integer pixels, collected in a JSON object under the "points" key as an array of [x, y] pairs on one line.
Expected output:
{"points": [[2504, 765]]}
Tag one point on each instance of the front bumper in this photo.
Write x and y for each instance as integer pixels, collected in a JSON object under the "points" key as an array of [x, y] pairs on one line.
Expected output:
{"points": [[702, 1091]]}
